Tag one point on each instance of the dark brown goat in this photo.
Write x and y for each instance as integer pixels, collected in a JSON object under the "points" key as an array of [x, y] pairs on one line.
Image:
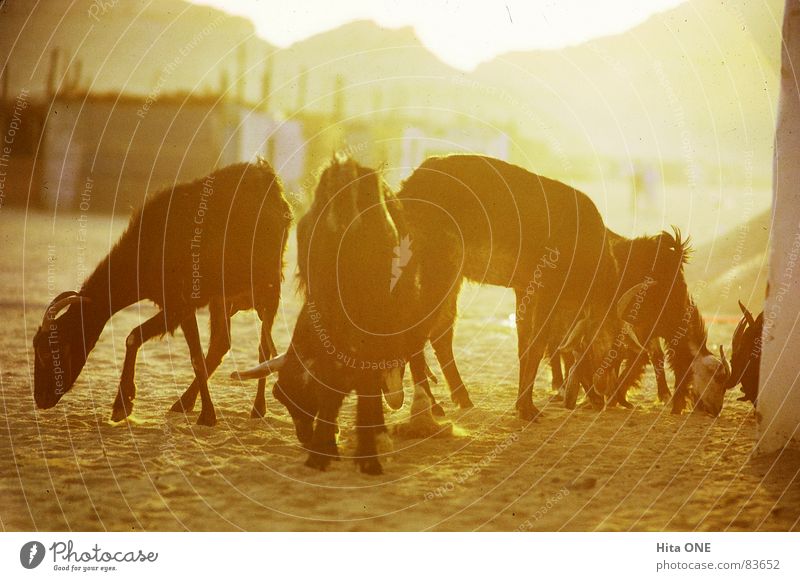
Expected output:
{"points": [[218, 241], [491, 222], [746, 354], [667, 311], [351, 332]]}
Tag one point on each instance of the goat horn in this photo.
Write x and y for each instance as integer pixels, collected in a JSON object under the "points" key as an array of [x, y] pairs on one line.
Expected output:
{"points": [[628, 329], [63, 300], [747, 314], [575, 337], [725, 363], [738, 334], [262, 369], [624, 300]]}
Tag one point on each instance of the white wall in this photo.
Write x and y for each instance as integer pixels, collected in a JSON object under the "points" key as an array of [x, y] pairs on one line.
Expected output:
{"points": [[779, 392]]}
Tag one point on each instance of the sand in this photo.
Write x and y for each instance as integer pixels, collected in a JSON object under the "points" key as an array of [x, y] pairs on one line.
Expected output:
{"points": [[69, 468]]}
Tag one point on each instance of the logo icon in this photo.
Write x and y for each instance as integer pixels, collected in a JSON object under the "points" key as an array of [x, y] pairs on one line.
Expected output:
{"points": [[31, 554], [402, 254]]}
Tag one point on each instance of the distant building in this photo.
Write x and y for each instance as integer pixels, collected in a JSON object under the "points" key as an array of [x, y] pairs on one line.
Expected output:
{"points": [[123, 147]]}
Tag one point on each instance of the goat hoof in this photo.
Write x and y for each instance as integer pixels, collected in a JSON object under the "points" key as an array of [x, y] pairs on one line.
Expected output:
{"points": [[528, 414], [437, 410], [121, 410], [626, 404], [461, 399], [423, 427], [119, 414], [182, 406], [370, 465], [258, 411], [318, 461], [207, 419]]}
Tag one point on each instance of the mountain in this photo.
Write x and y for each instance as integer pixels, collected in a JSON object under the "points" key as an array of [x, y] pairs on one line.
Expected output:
{"points": [[697, 83], [137, 46], [692, 90], [732, 267]]}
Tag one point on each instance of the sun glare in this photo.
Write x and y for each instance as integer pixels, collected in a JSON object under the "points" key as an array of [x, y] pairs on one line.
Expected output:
{"points": [[462, 34]]}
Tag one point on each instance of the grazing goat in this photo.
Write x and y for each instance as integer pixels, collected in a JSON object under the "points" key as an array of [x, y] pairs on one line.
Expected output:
{"points": [[218, 241], [664, 309], [351, 332], [591, 354], [746, 355], [491, 222]]}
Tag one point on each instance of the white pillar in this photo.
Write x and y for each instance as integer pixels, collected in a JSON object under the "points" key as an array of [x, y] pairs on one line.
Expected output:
{"points": [[779, 392]]}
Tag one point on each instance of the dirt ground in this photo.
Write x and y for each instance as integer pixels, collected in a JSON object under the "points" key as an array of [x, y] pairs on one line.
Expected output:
{"points": [[69, 468]]}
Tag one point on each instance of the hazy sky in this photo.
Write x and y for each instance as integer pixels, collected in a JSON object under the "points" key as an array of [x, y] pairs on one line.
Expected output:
{"points": [[461, 33]]}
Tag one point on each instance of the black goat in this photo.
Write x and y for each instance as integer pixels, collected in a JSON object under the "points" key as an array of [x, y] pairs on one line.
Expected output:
{"points": [[351, 333], [746, 354], [491, 222], [218, 241], [667, 311]]}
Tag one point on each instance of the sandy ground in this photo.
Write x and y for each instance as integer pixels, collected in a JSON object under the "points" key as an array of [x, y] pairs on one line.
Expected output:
{"points": [[70, 469]]}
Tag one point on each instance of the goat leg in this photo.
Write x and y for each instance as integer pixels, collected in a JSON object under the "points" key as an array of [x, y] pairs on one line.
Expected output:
{"points": [[657, 358], [443, 347], [266, 348], [219, 344], [123, 405], [208, 416], [369, 422], [323, 449]]}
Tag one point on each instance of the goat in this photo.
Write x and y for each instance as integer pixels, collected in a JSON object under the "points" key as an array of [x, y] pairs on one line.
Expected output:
{"points": [[491, 222], [667, 311], [746, 355], [351, 332], [219, 241], [591, 353]]}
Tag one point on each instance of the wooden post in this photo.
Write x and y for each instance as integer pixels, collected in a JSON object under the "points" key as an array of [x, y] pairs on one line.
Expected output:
{"points": [[779, 391]]}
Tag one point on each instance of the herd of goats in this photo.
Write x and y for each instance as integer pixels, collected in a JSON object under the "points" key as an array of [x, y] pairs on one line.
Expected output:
{"points": [[380, 274]]}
